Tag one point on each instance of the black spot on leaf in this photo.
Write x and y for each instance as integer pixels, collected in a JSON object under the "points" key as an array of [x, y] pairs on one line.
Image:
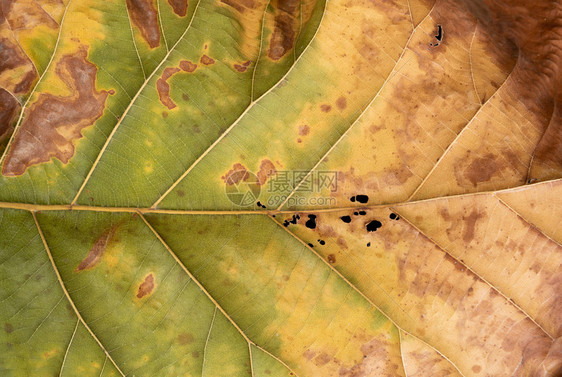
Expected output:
{"points": [[311, 223], [373, 226], [346, 219]]}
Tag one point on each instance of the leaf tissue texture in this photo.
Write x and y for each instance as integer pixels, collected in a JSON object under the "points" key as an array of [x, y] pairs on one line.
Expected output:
{"points": [[256, 188]]}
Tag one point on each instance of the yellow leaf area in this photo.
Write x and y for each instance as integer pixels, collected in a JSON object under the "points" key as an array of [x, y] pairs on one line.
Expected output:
{"points": [[231, 188]]}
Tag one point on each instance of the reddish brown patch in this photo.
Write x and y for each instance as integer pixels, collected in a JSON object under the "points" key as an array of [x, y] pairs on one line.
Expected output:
{"points": [[206, 60], [163, 87], [188, 66], [12, 57], [331, 258], [145, 17], [9, 108], [242, 67], [476, 368], [53, 123], [267, 169], [325, 108], [283, 36], [236, 174], [96, 251], [146, 287], [304, 130], [179, 7], [185, 338], [341, 103]]}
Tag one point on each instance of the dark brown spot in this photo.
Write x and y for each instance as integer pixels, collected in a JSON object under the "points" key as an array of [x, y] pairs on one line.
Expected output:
{"points": [[179, 7], [96, 251], [144, 16], [146, 287], [53, 123], [236, 174], [185, 338], [331, 258], [188, 66], [325, 108], [195, 354], [267, 169], [341, 103], [206, 60], [163, 87], [8, 328]]}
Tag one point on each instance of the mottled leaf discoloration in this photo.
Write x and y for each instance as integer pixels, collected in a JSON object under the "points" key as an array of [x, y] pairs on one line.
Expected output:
{"points": [[52, 124]]}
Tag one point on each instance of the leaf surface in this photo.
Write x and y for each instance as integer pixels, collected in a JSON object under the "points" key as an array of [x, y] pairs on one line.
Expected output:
{"points": [[280, 188]]}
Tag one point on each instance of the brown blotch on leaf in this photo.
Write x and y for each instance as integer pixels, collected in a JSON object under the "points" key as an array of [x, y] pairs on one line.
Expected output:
{"points": [[53, 123], [325, 108], [185, 338], [144, 16], [267, 169], [476, 368], [188, 66], [481, 169], [96, 251], [283, 36], [206, 60], [331, 258], [471, 225], [341, 103], [8, 328], [12, 57], [9, 108], [163, 87], [237, 174], [179, 7], [304, 130], [146, 287], [242, 67]]}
